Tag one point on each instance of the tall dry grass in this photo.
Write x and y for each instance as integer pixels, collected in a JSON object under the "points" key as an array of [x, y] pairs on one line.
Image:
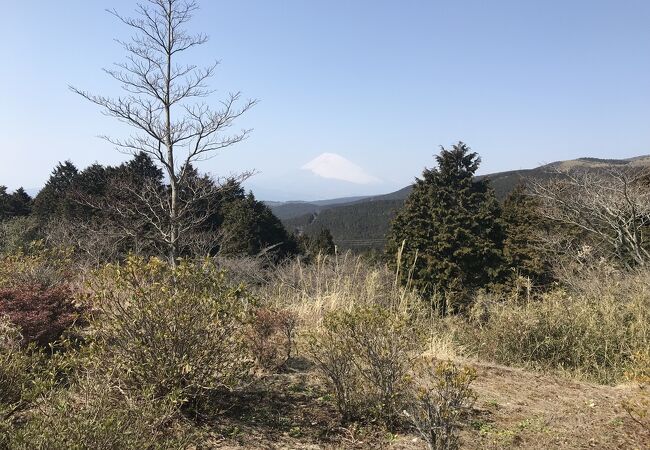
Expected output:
{"points": [[594, 327], [346, 282], [339, 282]]}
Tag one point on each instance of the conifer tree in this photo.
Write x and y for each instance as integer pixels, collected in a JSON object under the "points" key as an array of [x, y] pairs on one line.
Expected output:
{"points": [[449, 232], [324, 242], [20, 203], [523, 249], [53, 200], [4, 203]]}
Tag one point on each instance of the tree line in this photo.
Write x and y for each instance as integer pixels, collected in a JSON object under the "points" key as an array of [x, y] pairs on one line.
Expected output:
{"points": [[103, 213]]}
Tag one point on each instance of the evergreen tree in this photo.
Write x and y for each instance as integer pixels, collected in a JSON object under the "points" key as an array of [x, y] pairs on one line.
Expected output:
{"points": [[321, 243], [141, 168], [252, 227], [241, 224], [20, 203], [4, 203], [324, 242], [54, 200], [449, 230], [523, 249], [87, 187]]}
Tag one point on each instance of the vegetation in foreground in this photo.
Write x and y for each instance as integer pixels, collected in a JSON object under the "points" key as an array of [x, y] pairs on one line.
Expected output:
{"points": [[162, 357]]}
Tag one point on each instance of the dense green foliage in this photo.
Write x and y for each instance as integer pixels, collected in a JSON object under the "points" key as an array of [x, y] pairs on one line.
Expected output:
{"points": [[524, 248], [250, 226], [53, 200], [449, 235], [16, 204], [320, 244], [357, 226], [107, 212]]}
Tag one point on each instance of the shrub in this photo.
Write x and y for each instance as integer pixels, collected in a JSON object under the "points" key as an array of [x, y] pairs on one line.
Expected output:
{"points": [[17, 232], [593, 331], [439, 403], [14, 364], [179, 330], [35, 266], [271, 336], [366, 355], [638, 407], [41, 313], [99, 415], [24, 376]]}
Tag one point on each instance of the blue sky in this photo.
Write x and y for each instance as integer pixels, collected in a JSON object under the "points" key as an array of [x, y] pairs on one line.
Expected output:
{"points": [[380, 84]]}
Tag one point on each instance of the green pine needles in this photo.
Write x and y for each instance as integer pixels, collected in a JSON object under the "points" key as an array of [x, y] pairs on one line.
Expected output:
{"points": [[449, 233]]}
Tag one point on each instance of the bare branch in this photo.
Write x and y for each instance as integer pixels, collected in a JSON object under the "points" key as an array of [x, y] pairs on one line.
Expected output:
{"points": [[156, 88], [612, 205]]}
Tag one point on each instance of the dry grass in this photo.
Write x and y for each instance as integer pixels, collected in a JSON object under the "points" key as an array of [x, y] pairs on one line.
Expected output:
{"points": [[594, 329], [347, 282], [597, 328], [337, 283]]}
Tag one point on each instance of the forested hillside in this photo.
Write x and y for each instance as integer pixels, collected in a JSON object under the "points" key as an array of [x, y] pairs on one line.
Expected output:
{"points": [[359, 225], [363, 224]]}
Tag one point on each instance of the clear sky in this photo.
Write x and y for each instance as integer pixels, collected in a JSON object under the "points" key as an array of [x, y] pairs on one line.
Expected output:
{"points": [[363, 90]]}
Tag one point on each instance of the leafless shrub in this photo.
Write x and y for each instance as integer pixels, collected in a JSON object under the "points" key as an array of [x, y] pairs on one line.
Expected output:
{"points": [[366, 355], [439, 403], [272, 337], [251, 270]]}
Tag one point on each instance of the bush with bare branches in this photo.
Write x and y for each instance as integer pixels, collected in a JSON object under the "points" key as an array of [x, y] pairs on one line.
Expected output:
{"points": [[180, 330], [611, 206], [442, 397], [366, 356]]}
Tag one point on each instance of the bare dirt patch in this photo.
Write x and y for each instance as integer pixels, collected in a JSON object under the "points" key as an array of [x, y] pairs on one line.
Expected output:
{"points": [[515, 409]]}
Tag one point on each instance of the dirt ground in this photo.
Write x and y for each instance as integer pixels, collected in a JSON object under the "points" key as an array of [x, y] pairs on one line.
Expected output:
{"points": [[515, 409]]}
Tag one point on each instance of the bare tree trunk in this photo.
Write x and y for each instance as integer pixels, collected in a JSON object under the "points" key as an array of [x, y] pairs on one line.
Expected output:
{"points": [[173, 182]]}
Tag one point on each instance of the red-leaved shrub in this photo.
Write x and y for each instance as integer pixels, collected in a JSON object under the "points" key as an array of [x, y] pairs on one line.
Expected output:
{"points": [[41, 313]]}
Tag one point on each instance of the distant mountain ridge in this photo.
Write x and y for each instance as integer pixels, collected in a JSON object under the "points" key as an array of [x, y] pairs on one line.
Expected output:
{"points": [[363, 222], [291, 209]]}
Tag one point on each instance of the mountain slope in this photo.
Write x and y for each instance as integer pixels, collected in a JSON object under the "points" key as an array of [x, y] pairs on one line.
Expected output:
{"points": [[364, 223]]}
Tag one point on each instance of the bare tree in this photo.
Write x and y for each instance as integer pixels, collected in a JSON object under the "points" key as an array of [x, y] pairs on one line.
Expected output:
{"points": [[163, 103], [611, 205]]}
